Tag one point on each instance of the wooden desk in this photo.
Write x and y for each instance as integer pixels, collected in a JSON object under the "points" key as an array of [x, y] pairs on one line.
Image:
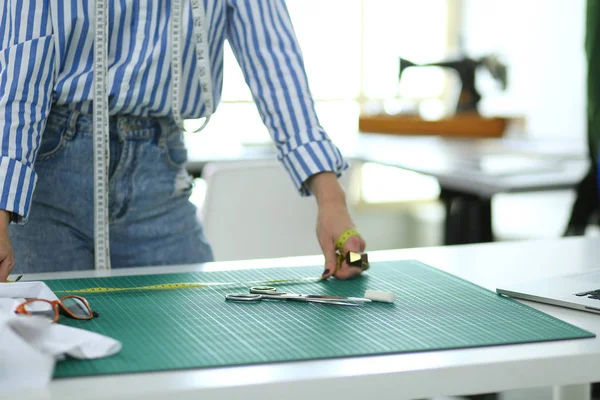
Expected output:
{"points": [[569, 365]]}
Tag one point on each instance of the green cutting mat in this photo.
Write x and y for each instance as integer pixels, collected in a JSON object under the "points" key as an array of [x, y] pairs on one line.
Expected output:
{"points": [[193, 328]]}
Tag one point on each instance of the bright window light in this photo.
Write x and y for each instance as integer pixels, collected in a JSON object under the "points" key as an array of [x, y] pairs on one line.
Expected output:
{"points": [[350, 57], [383, 184]]}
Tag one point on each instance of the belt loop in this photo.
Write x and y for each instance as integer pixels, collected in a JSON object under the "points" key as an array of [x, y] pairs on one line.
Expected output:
{"points": [[163, 132], [72, 124], [121, 127]]}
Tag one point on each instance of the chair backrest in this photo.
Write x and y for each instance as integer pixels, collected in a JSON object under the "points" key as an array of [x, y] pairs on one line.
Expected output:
{"points": [[252, 210]]}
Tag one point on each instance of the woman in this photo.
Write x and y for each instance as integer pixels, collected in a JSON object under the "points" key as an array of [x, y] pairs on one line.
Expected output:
{"points": [[46, 104]]}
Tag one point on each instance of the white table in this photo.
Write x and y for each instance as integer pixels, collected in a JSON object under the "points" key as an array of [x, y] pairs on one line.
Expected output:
{"points": [[481, 167], [568, 365], [469, 171]]}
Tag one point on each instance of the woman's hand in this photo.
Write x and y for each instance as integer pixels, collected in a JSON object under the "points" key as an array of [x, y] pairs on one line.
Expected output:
{"points": [[7, 256], [332, 220]]}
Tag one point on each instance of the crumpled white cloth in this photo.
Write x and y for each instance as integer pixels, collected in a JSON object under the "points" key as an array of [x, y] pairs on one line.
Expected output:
{"points": [[30, 346]]}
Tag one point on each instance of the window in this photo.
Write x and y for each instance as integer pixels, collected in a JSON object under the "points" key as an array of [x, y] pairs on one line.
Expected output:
{"points": [[351, 50]]}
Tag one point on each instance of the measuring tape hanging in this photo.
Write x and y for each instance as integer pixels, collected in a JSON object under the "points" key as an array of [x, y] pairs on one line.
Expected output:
{"points": [[101, 112], [203, 69], [100, 138]]}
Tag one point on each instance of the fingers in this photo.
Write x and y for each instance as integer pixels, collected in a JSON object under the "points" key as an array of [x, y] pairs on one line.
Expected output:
{"points": [[355, 244], [330, 260], [6, 267], [7, 258]]}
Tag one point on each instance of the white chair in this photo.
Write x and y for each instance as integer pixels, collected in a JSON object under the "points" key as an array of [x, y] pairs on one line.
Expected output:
{"points": [[252, 210]]}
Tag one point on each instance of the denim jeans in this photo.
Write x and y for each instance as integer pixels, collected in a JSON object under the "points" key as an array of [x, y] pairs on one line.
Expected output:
{"points": [[152, 221]]}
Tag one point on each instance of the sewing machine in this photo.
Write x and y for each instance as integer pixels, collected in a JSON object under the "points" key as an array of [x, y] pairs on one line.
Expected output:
{"points": [[465, 120], [466, 69]]}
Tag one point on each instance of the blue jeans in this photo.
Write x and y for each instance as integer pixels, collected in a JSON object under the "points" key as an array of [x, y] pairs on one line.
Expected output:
{"points": [[152, 221]]}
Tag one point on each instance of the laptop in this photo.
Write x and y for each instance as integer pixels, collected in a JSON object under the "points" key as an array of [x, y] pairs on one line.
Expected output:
{"points": [[579, 291]]}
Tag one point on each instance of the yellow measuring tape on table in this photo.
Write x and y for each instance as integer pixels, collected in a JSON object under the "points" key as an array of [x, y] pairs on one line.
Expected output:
{"points": [[191, 285], [355, 259]]}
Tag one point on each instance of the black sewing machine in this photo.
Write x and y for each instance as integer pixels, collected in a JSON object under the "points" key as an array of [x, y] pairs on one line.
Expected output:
{"points": [[466, 68], [465, 121]]}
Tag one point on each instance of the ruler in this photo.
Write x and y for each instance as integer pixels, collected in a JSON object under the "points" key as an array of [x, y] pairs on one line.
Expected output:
{"points": [[101, 112]]}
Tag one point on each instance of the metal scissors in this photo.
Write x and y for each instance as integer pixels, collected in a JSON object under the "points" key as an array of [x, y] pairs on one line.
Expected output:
{"points": [[258, 293]]}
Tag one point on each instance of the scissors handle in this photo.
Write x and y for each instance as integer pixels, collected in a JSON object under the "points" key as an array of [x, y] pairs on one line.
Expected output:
{"points": [[265, 290], [243, 297]]}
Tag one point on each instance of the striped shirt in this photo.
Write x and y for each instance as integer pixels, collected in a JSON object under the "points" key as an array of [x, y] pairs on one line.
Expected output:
{"points": [[46, 58]]}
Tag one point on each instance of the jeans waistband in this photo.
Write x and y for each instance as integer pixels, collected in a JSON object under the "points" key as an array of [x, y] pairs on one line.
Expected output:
{"points": [[121, 127]]}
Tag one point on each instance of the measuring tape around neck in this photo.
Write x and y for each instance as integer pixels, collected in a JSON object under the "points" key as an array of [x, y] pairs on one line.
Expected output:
{"points": [[100, 138], [203, 69], [101, 112]]}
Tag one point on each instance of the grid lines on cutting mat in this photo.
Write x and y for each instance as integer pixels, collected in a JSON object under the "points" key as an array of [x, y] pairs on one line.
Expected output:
{"points": [[195, 328]]}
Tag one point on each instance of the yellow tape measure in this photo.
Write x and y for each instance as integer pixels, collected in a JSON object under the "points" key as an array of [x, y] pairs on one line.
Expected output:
{"points": [[191, 285], [340, 243]]}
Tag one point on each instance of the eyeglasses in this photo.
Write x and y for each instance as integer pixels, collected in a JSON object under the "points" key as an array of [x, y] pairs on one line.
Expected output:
{"points": [[75, 307]]}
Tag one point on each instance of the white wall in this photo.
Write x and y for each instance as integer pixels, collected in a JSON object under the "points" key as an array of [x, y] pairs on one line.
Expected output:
{"points": [[543, 43]]}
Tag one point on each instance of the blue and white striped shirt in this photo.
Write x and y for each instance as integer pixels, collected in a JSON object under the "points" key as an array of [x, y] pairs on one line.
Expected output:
{"points": [[46, 58]]}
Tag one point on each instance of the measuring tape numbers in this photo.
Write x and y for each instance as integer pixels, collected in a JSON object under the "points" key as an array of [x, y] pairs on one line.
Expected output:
{"points": [[192, 285], [100, 139], [101, 112], [203, 68]]}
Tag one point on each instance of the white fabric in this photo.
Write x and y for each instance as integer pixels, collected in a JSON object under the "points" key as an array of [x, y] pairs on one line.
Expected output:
{"points": [[30, 346]]}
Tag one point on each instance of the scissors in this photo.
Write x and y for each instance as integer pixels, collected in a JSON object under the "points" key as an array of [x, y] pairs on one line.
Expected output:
{"points": [[258, 293]]}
